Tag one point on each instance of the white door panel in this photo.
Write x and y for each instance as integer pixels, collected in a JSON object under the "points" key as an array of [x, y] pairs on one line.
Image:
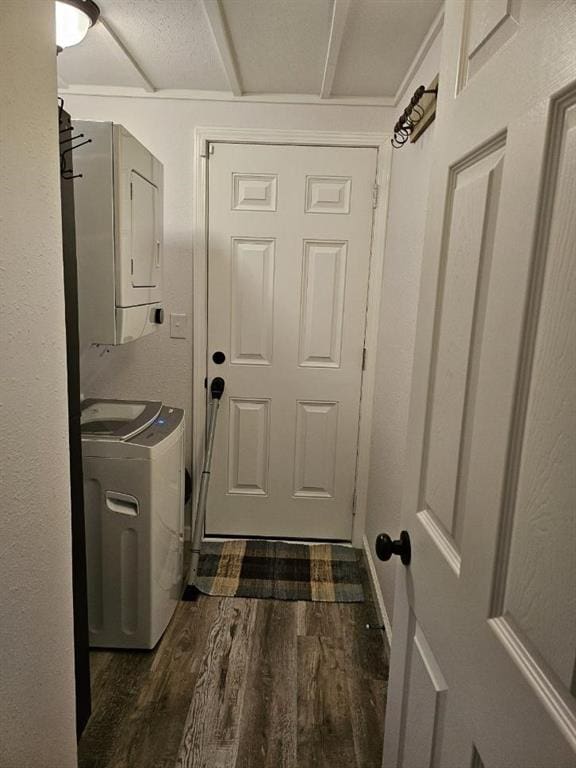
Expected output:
{"points": [[316, 449], [322, 301], [426, 698], [491, 492], [289, 252], [486, 27], [248, 446], [252, 301]]}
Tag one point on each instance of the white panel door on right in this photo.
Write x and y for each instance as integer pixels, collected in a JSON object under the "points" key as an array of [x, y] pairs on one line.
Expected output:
{"points": [[483, 661], [289, 252]]}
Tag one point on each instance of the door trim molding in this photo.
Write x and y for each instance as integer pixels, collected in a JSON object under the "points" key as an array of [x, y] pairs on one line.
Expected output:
{"points": [[379, 141]]}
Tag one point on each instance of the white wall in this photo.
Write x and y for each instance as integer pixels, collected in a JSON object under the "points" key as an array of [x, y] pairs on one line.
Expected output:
{"points": [[400, 287], [37, 721], [158, 366]]}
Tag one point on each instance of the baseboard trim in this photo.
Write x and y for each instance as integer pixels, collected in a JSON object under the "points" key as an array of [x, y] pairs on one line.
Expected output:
{"points": [[376, 590], [188, 537], [311, 542]]}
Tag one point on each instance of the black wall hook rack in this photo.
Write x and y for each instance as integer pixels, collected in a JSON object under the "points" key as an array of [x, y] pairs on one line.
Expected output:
{"points": [[66, 129], [412, 116]]}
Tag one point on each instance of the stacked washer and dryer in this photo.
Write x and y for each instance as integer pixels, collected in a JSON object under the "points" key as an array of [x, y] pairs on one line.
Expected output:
{"points": [[133, 450]]}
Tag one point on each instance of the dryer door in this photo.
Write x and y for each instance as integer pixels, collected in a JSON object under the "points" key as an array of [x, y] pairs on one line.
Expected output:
{"points": [[145, 242], [139, 219]]}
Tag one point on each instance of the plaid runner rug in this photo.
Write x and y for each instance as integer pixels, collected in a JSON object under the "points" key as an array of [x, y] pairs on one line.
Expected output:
{"points": [[274, 569]]}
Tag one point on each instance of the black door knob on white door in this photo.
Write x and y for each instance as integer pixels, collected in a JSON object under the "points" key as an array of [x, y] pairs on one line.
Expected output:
{"points": [[386, 547]]}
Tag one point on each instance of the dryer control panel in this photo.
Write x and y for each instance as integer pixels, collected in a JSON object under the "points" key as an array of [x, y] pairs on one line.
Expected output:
{"points": [[167, 421]]}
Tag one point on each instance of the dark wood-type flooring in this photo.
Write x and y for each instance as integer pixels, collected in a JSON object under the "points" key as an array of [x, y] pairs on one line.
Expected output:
{"points": [[240, 683]]}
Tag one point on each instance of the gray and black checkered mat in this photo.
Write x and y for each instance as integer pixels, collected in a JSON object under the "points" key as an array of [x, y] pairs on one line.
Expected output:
{"points": [[281, 571]]}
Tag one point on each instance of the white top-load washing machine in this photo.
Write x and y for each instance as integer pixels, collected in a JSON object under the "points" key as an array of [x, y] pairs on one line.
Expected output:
{"points": [[133, 462]]}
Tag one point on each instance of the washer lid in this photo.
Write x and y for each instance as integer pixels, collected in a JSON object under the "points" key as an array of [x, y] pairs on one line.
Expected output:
{"points": [[117, 419]]}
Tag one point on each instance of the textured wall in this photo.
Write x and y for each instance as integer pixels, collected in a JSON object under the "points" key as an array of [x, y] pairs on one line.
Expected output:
{"points": [[400, 288], [158, 366], [37, 728]]}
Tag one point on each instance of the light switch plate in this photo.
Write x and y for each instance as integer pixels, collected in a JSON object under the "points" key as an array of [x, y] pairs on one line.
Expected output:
{"points": [[178, 326]]}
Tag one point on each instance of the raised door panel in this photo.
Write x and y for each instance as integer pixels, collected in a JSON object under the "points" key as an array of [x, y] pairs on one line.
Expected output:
{"points": [[254, 192], [534, 606], [488, 25], [328, 194], [248, 446], [471, 214], [322, 303], [252, 301], [315, 450]]}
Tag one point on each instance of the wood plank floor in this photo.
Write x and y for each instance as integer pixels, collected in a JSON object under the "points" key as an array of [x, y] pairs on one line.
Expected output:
{"points": [[239, 683]]}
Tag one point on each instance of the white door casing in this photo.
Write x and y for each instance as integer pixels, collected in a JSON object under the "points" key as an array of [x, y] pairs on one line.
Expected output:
{"points": [[484, 637], [289, 254]]}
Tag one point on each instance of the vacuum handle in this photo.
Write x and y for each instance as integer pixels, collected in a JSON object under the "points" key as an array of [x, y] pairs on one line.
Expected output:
{"points": [[217, 388]]}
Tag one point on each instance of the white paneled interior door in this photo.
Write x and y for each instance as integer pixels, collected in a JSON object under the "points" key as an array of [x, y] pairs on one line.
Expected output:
{"points": [[288, 262], [484, 639]]}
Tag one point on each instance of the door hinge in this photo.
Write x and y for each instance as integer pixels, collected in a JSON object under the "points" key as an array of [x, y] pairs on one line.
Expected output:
{"points": [[375, 192], [131, 191], [364, 359], [131, 266]]}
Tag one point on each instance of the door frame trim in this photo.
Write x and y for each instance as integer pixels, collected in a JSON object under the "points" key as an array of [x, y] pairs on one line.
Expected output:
{"points": [[203, 136]]}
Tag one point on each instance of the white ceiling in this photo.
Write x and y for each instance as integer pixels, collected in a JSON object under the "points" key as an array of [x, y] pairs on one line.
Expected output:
{"points": [[339, 49]]}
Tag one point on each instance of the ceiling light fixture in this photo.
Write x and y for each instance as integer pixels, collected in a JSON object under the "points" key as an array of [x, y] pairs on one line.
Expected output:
{"points": [[73, 20]]}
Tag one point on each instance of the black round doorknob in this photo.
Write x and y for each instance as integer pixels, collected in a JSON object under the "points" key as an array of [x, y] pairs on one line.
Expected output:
{"points": [[386, 547], [218, 357]]}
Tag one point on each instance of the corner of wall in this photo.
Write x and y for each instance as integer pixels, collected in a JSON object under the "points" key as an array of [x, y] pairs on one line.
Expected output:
{"points": [[396, 335], [37, 712]]}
